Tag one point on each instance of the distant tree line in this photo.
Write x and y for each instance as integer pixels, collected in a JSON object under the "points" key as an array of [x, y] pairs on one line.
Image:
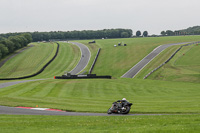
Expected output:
{"points": [[85, 34], [10, 43], [195, 30]]}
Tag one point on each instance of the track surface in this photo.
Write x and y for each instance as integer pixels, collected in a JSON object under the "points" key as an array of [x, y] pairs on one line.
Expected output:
{"points": [[85, 57], [2, 85], [140, 65], [20, 111]]}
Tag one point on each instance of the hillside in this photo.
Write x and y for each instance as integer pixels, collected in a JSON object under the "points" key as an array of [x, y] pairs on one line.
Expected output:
{"points": [[183, 67], [29, 61], [116, 61], [158, 106], [32, 60], [97, 95]]}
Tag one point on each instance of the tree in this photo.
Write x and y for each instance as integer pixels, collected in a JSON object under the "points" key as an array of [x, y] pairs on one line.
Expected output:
{"points": [[4, 50], [169, 33], [28, 37], [16, 42], [124, 35], [163, 33], [138, 33], [9, 44], [145, 33]]}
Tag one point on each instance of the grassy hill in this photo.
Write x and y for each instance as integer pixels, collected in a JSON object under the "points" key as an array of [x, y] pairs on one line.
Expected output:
{"points": [[183, 67], [32, 60], [93, 95], [116, 61], [96, 95], [29, 61], [67, 58]]}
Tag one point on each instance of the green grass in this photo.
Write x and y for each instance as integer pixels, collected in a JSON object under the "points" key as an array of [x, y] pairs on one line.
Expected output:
{"points": [[183, 67], [116, 61], [97, 95], [102, 124], [29, 61], [67, 58], [190, 57], [148, 96], [32, 60]]}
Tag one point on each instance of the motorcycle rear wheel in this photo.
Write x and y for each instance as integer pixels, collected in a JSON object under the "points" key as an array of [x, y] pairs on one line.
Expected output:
{"points": [[109, 111]]}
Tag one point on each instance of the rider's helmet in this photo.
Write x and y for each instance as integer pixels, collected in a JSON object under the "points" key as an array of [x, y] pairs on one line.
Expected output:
{"points": [[124, 99]]}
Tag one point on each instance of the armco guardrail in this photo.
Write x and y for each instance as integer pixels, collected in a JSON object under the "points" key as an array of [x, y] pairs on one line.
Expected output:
{"points": [[40, 71], [92, 67], [169, 58]]}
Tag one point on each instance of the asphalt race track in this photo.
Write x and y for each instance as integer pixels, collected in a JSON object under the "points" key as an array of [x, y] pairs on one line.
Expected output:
{"points": [[20, 111], [140, 65], [2, 85], [85, 57]]}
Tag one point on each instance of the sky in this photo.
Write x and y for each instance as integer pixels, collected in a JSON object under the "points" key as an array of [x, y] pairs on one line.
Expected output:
{"points": [[153, 16]]}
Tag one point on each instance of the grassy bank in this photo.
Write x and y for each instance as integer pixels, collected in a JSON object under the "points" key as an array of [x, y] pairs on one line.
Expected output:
{"points": [[148, 96], [94, 124], [29, 61], [183, 67], [67, 58], [32, 60], [116, 61]]}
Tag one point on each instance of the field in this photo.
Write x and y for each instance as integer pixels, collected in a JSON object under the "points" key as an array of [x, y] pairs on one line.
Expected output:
{"points": [[28, 62], [67, 58], [33, 59], [148, 96], [183, 67], [94, 124], [175, 97], [116, 61]]}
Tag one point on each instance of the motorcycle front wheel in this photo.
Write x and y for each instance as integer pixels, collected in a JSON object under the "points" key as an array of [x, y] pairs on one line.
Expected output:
{"points": [[127, 110]]}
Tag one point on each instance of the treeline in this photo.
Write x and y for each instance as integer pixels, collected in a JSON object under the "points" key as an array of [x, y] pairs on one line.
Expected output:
{"points": [[10, 43], [195, 30], [85, 34]]}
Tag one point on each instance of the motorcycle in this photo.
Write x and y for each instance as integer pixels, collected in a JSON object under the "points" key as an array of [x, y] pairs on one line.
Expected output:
{"points": [[120, 107]]}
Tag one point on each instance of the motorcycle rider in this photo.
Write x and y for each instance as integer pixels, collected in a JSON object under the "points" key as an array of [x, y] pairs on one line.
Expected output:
{"points": [[122, 102], [120, 106]]}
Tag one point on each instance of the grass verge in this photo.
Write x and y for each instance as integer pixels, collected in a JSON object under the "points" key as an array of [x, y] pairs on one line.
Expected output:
{"points": [[184, 66], [95, 124], [97, 95], [29, 61]]}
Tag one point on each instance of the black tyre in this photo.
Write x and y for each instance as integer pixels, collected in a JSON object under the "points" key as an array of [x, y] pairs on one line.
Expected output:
{"points": [[109, 111], [127, 110]]}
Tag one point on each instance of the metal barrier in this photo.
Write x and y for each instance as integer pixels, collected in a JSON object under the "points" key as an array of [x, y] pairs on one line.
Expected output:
{"points": [[92, 67]]}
